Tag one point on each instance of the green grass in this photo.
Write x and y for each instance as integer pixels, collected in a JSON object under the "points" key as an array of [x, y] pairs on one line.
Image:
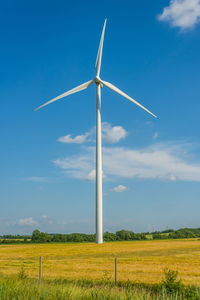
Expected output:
{"points": [[24, 288]]}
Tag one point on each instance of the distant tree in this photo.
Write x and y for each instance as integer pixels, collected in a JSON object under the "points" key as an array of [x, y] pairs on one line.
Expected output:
{"points": [[35, 236], [168, 231], [159, 236], [90, 237], [75, 237], [45, 237], [40, 237], [143, 236], [107, 236], [133, 236], [123, 235], [181, 234]]}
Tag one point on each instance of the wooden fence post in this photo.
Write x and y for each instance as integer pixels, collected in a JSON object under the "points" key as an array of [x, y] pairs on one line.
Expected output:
{"points": [[115, 271], [40, 270]]}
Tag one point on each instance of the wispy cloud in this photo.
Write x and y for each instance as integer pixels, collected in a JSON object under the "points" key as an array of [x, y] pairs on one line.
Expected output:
{"points": [[155, 136], [119, 189], [68, 139], [44, 217], [172, 178], [78, 166], [161, 161], [91, 175], [28, 222], [184, 14], [36, 179]]}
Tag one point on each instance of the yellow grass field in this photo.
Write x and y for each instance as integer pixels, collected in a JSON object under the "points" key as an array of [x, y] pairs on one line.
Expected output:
{"points": [[142, 261]]}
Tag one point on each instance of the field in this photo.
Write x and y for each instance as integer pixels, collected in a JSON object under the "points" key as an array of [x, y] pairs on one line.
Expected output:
{"points": [[141, 261]]}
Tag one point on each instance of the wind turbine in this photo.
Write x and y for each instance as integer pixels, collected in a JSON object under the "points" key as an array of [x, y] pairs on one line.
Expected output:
{"points": [[99, 84]]}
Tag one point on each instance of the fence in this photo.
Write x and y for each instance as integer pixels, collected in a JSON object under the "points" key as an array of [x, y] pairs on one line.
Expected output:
{"points": [[40, 270]]}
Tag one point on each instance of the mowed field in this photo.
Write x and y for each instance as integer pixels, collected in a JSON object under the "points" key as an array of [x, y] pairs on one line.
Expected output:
{"points": [[141, 261]]}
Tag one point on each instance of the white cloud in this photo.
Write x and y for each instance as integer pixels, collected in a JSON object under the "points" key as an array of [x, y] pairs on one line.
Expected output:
{"points": [[46, 220], [44, 217], [172, 178], [112, 135], [36, 179], [92, 175], [155, 136], [28, 222], [167, 161], [119, 189], [79, 139], [78, 166], [184, 14]]}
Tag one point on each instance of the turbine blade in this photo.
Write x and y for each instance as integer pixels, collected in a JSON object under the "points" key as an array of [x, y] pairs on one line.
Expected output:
{"points": [[115, 89], [72, 91], [99, 54]]}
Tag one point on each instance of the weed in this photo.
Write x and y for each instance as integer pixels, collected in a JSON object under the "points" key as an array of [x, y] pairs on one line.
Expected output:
{"points": [[22, 274]]}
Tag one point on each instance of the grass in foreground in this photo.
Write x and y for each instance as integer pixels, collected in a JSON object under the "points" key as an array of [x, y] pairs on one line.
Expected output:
{"points": [[24, 288]]}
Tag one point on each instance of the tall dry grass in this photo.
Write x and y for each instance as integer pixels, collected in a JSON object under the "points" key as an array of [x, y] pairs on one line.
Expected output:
{"points": [[141, 261]]}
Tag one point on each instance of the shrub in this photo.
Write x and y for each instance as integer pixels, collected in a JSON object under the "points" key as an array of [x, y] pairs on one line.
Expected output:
{"points": [[171, 283]]}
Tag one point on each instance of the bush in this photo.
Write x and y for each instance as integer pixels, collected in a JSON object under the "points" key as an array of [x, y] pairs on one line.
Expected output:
{"points": [[171, 283]]}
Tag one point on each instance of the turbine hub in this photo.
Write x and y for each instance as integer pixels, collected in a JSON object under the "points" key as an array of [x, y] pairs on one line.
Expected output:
{"points": [[97, 79]]}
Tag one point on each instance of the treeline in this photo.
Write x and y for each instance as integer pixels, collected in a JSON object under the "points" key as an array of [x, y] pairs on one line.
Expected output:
{"points": [[122, 235], [17, 236], [183, 233], [13, 239], [43, 237]]}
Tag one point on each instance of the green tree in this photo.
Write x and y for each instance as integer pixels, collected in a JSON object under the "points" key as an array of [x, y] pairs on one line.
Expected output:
{"points": [[107, 236], [123, 235], [35, 236]]}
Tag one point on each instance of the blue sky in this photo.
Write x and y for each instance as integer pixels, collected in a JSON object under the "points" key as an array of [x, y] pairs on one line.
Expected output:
{"points": [[151, 167]]}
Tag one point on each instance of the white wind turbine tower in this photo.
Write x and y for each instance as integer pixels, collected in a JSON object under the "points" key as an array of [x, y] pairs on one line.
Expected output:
{"points": [[99, 84]]}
